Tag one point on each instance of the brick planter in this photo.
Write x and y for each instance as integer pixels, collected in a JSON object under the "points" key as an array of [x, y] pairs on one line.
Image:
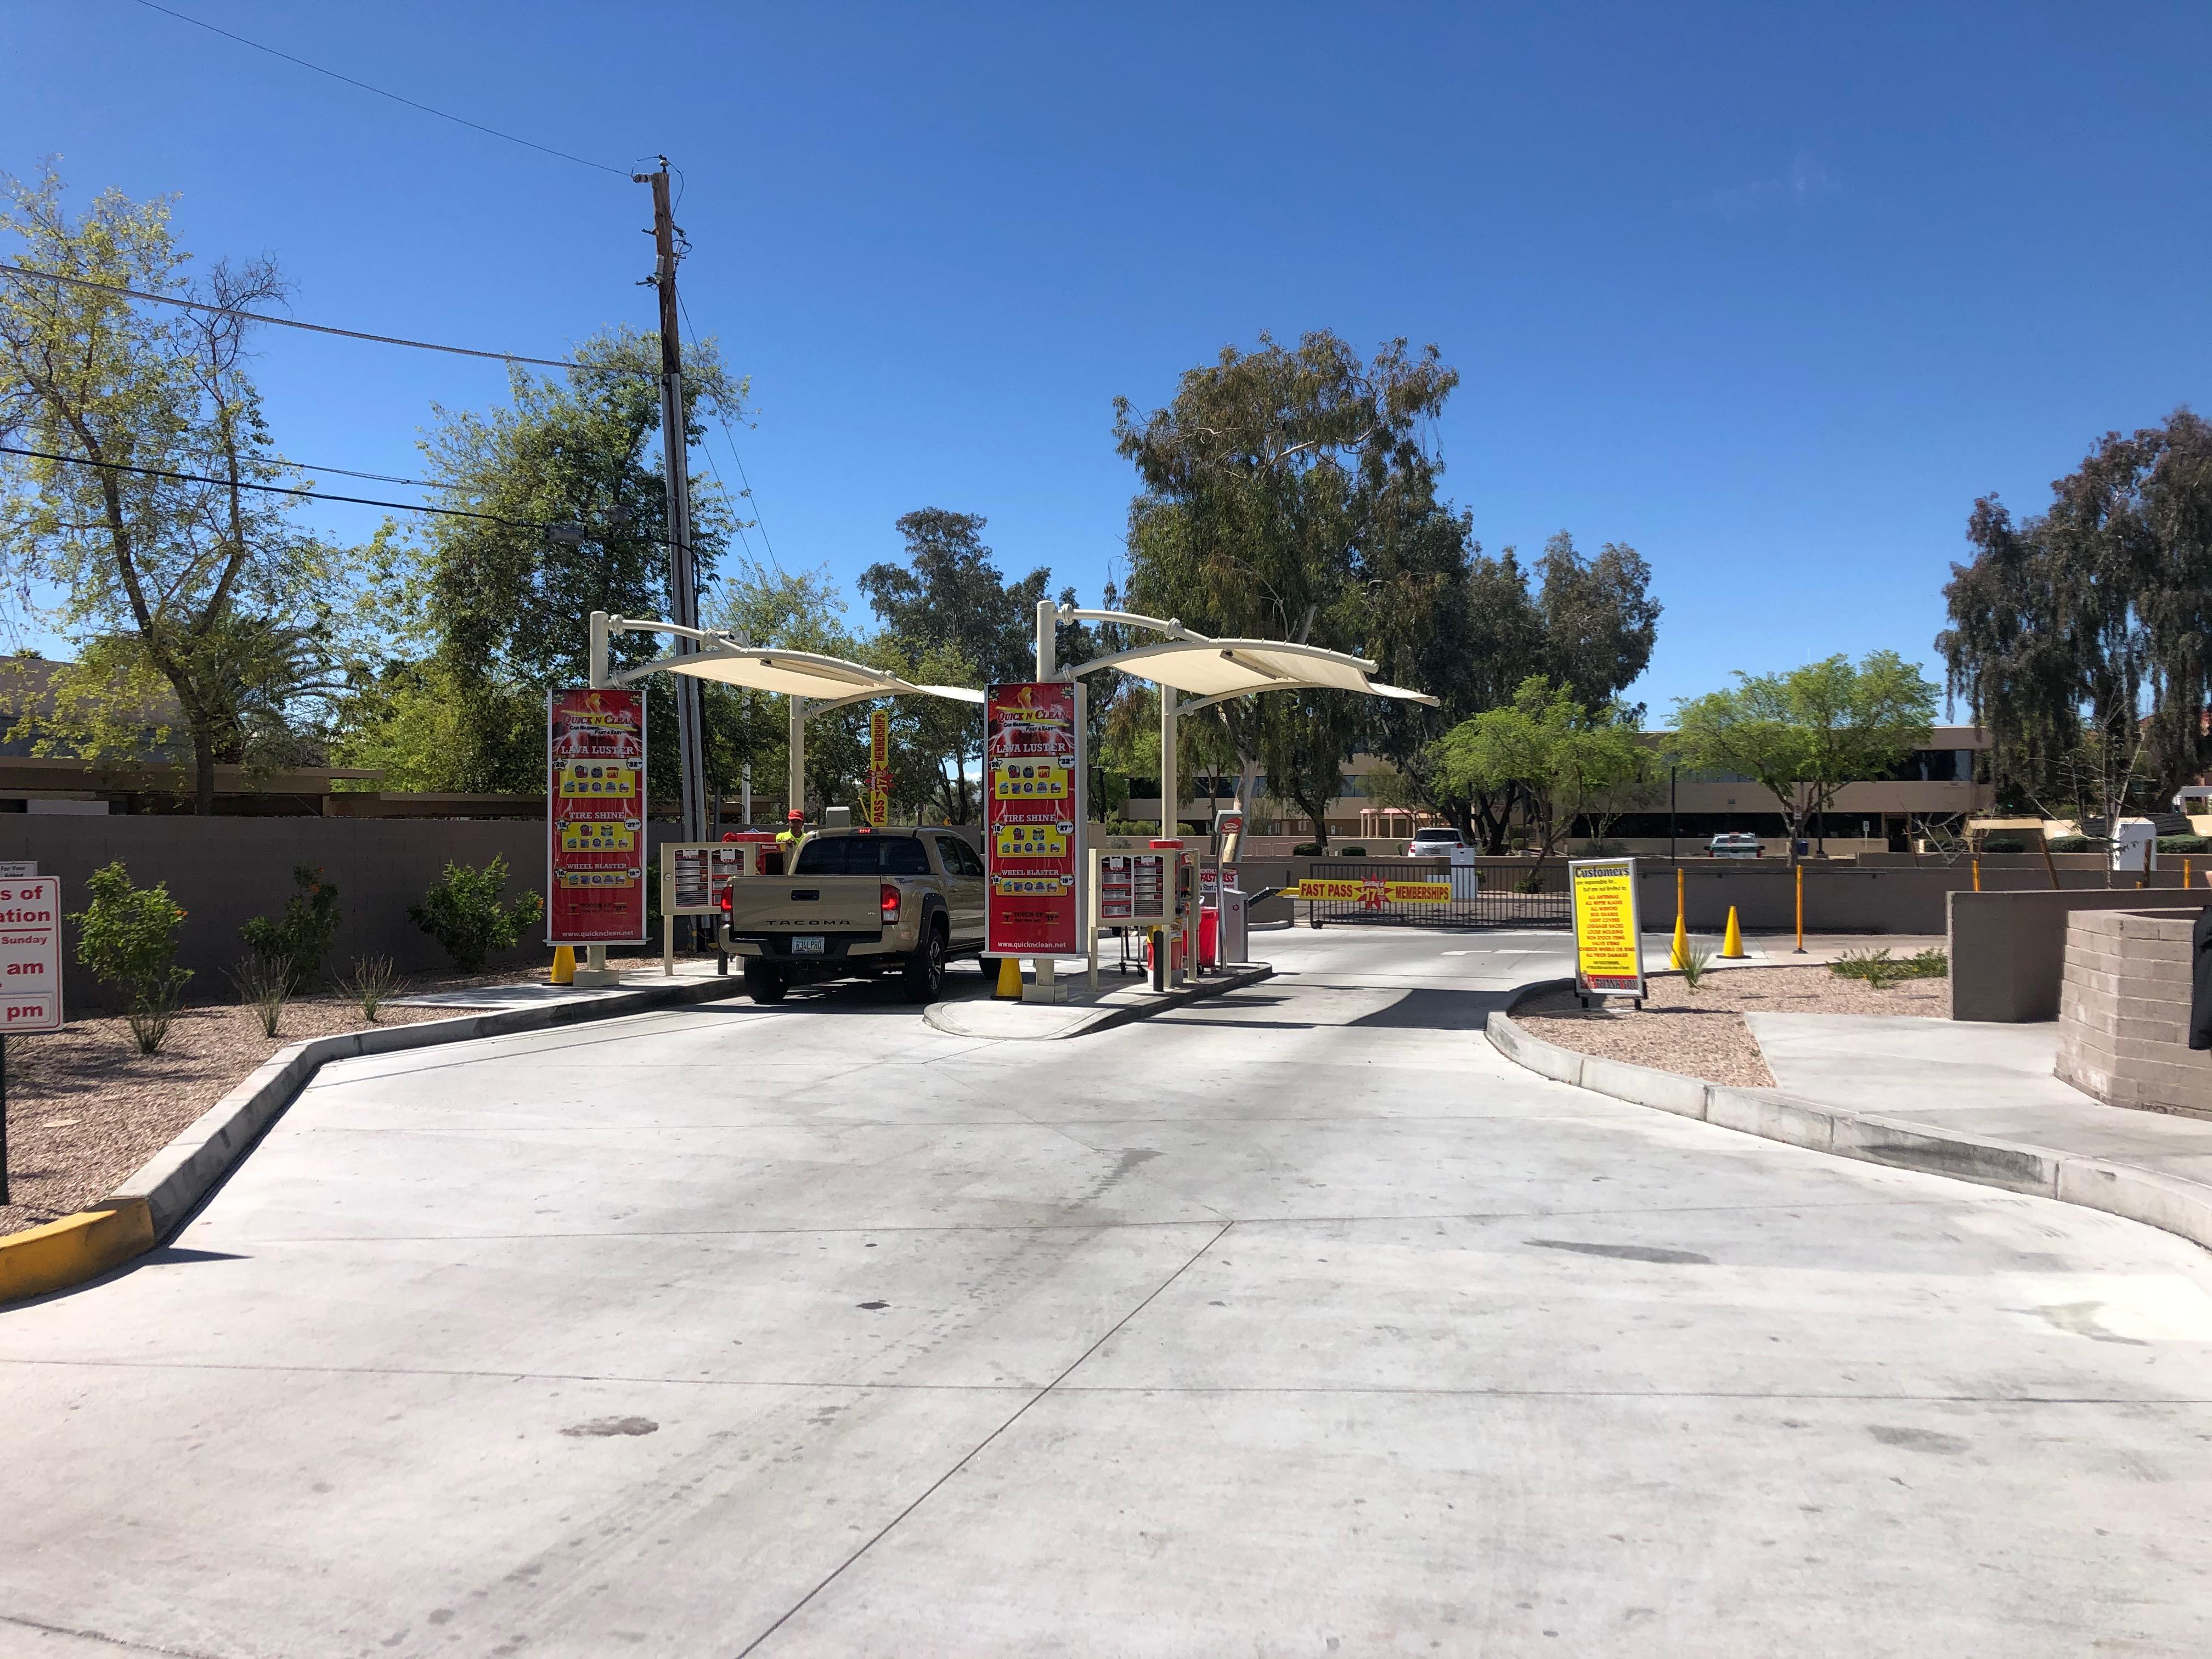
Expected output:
{"points": [[2123, 1012]]}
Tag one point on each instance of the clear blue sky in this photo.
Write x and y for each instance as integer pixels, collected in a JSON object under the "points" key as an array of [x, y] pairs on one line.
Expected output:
{"points": [[1770, 292]]}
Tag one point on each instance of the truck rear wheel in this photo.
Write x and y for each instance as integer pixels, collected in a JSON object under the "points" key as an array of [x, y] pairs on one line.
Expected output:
{"points": [[765, 981], [925, 969]]}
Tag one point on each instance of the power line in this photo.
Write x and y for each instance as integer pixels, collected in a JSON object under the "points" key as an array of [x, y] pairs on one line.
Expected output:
{"points": [[281, 489], [722, 420], [620, 172], [316, 328]]}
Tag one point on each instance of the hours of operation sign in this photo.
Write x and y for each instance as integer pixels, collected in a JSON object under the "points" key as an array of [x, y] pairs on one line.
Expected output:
{"points": [[31, 954]]}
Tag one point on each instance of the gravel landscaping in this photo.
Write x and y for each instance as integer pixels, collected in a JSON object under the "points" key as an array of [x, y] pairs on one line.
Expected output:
{"points": [[1702, 1033]]}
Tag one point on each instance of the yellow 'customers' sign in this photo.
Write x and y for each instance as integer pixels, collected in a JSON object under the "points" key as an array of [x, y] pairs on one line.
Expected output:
{"points": [[1608, 939]]}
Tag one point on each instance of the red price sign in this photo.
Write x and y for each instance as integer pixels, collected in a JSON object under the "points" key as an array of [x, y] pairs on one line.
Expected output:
{"points": [[1031, 835], [595, 817]]}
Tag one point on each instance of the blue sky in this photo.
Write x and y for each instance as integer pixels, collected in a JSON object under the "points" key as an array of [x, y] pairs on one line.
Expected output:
{"points": [[1770, 292]]}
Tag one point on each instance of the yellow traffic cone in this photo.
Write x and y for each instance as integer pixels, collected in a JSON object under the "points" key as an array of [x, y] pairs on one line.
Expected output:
{"points": [[1010, 980], [1732, 941], [564, 965], [1679, 958]]}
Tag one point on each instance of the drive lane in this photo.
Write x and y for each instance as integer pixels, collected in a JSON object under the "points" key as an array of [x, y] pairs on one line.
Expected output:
{"points": [[1297, 1322]]}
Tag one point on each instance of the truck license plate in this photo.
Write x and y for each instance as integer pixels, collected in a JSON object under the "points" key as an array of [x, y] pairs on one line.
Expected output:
{"points": [[806, 945]]}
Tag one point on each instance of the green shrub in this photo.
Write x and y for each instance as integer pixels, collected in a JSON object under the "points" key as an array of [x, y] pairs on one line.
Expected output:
{"points": [[372, 983], [2003, 844], [1351, 852], [1694, 963], [1306, 849], [1529, 885], [126, 936], [465, 913], [1132, 827], [265, 985], [1880, 970], [2069, 844], [2185, 843], [295, 943]]}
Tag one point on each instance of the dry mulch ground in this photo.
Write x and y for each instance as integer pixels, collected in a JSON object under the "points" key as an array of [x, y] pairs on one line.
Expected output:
{"points": [[85, 1109], [1702, 1033]]}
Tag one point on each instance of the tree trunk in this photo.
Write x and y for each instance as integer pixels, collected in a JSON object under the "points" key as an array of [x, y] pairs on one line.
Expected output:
{"points": [[203, 774]]}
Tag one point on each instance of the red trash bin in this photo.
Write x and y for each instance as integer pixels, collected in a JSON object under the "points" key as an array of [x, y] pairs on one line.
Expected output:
{"points": [[1209, 938]]}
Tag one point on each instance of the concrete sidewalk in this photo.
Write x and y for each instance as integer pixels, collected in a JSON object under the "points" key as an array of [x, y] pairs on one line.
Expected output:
{"points": [[1116, 1000], [1992, 1082]]}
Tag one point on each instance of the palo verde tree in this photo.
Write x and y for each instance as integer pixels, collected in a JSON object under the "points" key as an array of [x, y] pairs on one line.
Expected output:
{"points": [[138, 509], [1564, 760], [1804, 734], [2070, 625]]}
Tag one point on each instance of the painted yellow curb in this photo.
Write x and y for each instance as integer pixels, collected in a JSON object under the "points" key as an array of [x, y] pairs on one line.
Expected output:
{"points": [[73, 1249]]}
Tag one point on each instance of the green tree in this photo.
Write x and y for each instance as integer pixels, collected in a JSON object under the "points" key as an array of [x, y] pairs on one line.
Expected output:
{"points": [[177, 568], [1272, 483], [507, 603], [1564, 760], [1803, 735], [2067, 623], [764, 605]]}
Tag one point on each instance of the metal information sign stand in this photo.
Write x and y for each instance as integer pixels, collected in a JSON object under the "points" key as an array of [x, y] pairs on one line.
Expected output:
{"points": [[1609, 933], [693, 877], [1129, 892]]}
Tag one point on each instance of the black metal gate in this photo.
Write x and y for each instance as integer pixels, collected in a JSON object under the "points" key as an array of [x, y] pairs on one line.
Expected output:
{"points": [[1492, 904]]}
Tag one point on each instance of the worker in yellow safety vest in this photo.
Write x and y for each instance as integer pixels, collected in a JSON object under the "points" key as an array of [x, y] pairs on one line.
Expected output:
{"points": [[789, 837]]}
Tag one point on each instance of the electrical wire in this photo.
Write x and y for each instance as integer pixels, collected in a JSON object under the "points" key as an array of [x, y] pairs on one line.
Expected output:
{"points": [[319, 328], [722, 420], [547, 149], [281, 489]]}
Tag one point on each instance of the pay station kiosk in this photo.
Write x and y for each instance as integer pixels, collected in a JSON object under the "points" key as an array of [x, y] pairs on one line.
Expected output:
{"points": [[696, 877], [1154, 892]]}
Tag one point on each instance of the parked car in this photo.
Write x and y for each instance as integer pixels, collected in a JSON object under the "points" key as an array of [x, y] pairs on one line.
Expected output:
{"points": [[859, 902], [1735, 846], [1435, 842]]}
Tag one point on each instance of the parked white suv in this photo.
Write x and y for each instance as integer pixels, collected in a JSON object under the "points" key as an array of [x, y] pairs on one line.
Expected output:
{"points": [[1735, 846], [1440, 839]]}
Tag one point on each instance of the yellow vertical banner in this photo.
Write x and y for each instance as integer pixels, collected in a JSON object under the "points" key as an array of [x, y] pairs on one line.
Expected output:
{"points": [[879, 767], [1608, 932]]}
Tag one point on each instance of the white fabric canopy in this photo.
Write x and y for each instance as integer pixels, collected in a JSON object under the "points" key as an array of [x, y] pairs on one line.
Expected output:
{"points": [[1228, 668], [794, 674]]}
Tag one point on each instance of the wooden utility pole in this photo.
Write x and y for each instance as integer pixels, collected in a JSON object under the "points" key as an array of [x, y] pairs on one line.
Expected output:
{"points": [[682, 578]]}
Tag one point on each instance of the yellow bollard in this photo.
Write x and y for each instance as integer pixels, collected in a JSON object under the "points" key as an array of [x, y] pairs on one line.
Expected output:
{"points": [[1732, 941], [1800, 910], [1977, 875], [1010, 979], [564, 965], [2186, 880]]}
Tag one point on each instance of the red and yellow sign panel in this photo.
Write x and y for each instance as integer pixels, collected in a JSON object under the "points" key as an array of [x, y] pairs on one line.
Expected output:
{"points": [[1028, 817], [595, 817], [1370, 890]]}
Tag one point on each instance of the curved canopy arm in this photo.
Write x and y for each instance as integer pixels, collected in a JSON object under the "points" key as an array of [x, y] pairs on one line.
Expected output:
{"points": [[1375, 688]]}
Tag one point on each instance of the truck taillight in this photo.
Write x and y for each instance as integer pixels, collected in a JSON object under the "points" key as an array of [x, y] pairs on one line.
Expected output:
{"points": [[891, 902]]}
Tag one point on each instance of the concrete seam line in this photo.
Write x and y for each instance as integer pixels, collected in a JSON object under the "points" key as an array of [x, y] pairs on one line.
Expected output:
{"points": [[164, 1191], [2170, 1204]]}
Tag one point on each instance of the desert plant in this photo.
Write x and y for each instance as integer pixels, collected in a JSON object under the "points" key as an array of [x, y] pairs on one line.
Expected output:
{"points": [[153, 1007], [465, 911], [1880, 970], [127, 937], [1530, 883], [372, 983], [1694, 962], [265, 985], [298, 940]]}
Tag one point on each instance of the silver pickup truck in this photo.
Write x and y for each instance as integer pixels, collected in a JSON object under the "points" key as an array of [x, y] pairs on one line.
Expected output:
{"points": [[860, 901]]}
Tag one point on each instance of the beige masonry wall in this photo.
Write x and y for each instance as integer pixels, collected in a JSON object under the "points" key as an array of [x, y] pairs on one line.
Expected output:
{"points": [[2123, 1012]]}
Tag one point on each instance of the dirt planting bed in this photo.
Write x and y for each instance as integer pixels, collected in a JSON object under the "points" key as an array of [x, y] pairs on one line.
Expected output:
{"points": [[1702, 1033]]}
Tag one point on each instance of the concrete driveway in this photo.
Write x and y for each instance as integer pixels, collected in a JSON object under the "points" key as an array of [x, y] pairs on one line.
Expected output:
{"points": [[1294, 1323]]}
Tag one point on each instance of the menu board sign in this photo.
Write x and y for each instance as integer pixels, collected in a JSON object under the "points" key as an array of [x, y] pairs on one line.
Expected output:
{"points": [[595, 817], [1132, 889], [1030, 838]]}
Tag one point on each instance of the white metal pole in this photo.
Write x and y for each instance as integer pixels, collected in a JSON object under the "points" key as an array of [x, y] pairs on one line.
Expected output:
{"points": [[797, 797], [745, 798]]}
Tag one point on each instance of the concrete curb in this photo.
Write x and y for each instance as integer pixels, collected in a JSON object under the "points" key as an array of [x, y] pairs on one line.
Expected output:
{"points": [[2168, 1202], [155, 1202], [946, 1017]]}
